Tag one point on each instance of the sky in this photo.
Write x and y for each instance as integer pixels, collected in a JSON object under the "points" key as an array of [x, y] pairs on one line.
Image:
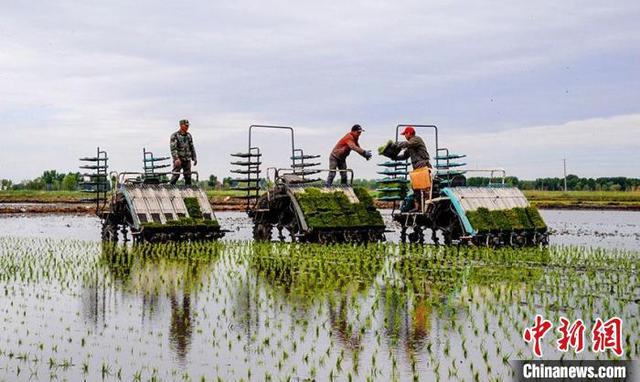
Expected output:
{"points": [[518, 85]]}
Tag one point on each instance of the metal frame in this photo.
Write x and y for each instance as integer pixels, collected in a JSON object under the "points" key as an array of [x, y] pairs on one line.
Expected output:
{"points": [[149, 165], [298, 165], [99, 180], [273, 127], [492, 171], [256, 150], [348, 170], [121, 176], [419, 126]]}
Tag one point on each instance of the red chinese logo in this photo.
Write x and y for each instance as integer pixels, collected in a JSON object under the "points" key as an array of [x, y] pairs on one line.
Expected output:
{"points": [[572, 336], [536, 333], [607, 335]]}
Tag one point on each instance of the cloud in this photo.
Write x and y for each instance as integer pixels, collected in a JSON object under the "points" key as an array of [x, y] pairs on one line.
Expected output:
{"points": [[120, 74], [592, 147]]}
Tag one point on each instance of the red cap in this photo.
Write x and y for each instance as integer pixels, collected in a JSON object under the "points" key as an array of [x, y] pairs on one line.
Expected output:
{"points": [[409, 130]]}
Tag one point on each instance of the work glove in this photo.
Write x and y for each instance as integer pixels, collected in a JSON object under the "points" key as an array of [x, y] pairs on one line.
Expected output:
{"points": [[367, 154], [195, 162]]}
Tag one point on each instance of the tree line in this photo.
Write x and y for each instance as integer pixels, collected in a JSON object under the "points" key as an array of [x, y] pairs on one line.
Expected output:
{"points": [[574, 183], [52, 180]]}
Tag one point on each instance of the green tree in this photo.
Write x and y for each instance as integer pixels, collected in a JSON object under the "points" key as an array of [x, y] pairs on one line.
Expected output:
{"points": [[70, 182], [49, 178], [5, 184], [213, 181], [227, 182]]}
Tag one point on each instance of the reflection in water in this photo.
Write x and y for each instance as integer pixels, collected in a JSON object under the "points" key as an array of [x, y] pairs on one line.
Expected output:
{"points": [[338, 317], [295, 312], [422, 285], [302, 282], [180, 330], [149, 278]]}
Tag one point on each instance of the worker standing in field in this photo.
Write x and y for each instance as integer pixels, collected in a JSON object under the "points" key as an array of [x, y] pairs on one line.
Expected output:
{"points": [[182, 152], [342, 149], [416, 150]]}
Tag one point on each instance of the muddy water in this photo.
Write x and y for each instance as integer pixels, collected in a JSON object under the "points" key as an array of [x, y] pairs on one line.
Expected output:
{"points": [[603, 229], [71, 309], [74, 310]]}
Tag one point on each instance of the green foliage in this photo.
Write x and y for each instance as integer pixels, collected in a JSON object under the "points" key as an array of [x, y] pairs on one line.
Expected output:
{"points": [[183, 222], [70, 182], [50, 177], [193, 207], [397, 189], [478, 181], [574, 183], [383, 147], [389, 150], [534, 216], [369, 184], [194, 220], [213, 181], [334, 210], [304, 272], [484, 220], [5, 184]]}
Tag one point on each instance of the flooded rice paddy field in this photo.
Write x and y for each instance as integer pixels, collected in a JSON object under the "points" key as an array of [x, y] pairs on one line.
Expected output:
{"points": [[602, 229], [73, 309]]}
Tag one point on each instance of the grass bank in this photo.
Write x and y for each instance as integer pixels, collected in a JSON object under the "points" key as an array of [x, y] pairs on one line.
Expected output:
{"points": [[585, 199], [32, 196], [623, 200]]}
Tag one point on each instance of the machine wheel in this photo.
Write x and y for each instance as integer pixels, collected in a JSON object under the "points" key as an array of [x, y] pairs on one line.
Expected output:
{"points": [[325, 237], [353, 237], [109, 232], [494, 240], [417, 236], [403, 234], [375, 236], [541, 239], [262, 231], [288, 221], [518, 239]]}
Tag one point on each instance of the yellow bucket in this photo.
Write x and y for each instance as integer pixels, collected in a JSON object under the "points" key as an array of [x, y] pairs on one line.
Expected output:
{"points": [[421, 178]]}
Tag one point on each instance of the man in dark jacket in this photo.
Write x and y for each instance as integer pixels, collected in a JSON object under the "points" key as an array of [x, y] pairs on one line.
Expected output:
{"points": [[414, 149], [342, 149], [182, 152]]}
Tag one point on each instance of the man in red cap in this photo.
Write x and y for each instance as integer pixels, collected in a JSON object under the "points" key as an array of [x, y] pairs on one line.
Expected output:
{"points": [[342, 149], [416, 150]]}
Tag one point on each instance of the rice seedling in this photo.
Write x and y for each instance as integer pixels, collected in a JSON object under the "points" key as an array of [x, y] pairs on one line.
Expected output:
{"points": [[294, 311]]}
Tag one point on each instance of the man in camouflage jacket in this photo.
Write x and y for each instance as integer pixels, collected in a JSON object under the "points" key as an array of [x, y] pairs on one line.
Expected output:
{"points": [[182, 152]]}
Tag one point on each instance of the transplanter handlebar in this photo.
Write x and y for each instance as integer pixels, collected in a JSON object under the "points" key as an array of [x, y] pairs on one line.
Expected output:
{"points": [[273, 127]]}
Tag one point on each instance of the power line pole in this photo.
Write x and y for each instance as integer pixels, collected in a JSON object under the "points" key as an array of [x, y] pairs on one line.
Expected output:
{"points": [[564, 161]]}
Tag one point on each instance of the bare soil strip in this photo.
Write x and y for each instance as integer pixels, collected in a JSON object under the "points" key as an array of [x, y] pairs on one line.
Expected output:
{"points": [[230, 204]]}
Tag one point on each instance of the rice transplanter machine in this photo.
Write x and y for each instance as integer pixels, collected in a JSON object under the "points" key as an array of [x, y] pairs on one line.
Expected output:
{"points": [[495, 214], [145, 205], [297, 204]]}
